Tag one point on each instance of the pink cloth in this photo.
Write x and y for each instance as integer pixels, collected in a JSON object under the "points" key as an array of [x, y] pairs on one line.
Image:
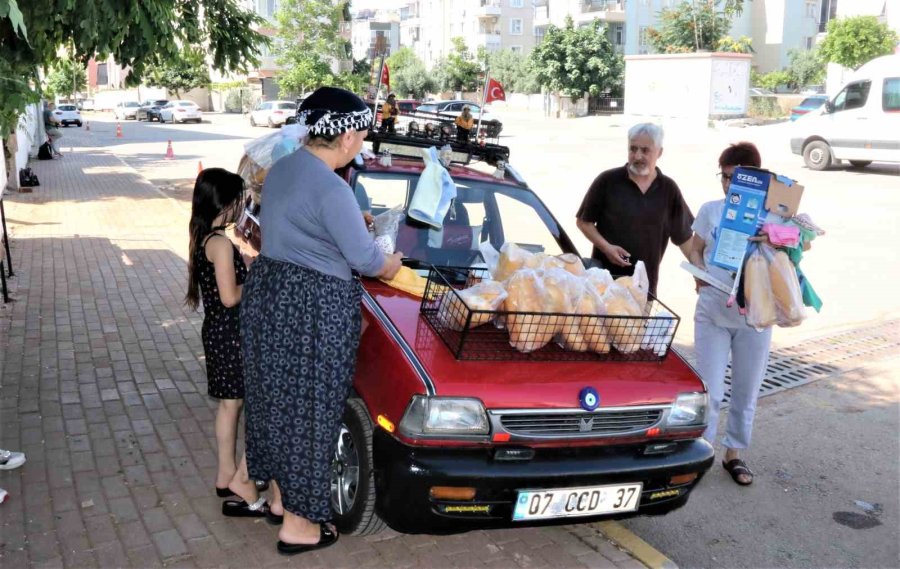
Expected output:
{"points": [[782, 235]]}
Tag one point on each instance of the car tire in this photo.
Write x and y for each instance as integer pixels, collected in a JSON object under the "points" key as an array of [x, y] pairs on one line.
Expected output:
{"points": [[78, 124], [860, 163], [353, 497], [817, 155]]}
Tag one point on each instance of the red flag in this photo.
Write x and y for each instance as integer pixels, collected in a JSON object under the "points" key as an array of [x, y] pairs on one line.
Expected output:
{"points": [[386, 76], [495, 92]]}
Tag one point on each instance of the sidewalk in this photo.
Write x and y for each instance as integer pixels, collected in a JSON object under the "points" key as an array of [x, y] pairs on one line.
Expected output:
{"points": [[103, 387]]}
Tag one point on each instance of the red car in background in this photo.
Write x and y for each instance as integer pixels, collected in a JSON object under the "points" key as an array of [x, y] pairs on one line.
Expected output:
{"points": [[433, 443]]}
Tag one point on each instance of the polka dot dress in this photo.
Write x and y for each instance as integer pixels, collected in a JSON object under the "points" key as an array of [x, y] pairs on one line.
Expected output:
{"points": [[300, 333], [221, 330]]}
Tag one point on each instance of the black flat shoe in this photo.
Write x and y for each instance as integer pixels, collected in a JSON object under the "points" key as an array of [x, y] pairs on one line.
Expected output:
{"points": [[272, 519], [241, 509], [224, 492], [327, 538]]}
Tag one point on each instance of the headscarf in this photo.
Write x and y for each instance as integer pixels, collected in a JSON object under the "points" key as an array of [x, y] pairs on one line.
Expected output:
{"points": [[331, 111]]}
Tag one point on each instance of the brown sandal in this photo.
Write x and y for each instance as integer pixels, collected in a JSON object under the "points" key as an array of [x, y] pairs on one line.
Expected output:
{"points": [[737, 467]]}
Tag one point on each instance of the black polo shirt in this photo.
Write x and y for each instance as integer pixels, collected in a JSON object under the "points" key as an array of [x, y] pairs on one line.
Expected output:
{"points": [[641, 223]]}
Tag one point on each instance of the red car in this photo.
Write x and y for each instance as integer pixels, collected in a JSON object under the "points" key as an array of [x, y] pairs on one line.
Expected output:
{"points": [[433, 443]]}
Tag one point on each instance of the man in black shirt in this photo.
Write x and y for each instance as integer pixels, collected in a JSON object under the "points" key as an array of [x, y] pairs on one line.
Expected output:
{"points": [[630, 213]]}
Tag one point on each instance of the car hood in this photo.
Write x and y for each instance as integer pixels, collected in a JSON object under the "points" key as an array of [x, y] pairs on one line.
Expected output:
{"points": [[525, 384]]}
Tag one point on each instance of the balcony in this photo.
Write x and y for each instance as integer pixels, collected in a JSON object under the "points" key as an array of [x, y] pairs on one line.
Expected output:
{"points": [[541, 15], [488, 9], [490, 41], [606, 10]]}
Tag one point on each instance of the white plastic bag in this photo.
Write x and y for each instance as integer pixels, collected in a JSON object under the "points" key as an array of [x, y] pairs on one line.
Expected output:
{"points": [[659, 332], [626, 333], [484, 296], [387, 226], [638, 284]]}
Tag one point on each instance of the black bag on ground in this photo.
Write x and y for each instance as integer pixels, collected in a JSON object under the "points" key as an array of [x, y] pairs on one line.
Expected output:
{"points": [[27, 178], [45, 152]]}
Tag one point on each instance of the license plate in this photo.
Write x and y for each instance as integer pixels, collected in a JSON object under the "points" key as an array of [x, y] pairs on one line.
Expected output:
{"points": [[572, 502]]}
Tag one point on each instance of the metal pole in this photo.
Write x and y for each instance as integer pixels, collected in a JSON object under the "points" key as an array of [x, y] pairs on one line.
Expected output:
{"points": [[378, 92], [6, 237], [487, 78]]}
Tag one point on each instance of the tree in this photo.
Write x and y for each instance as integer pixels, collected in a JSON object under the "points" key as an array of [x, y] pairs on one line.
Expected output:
{"points": [[67, 77], [459, 72], [187, 71], [805, 67], [853, 41], [698, 25], [514, 71], [134, 32], [408, 74], [773, 80], [308, 40], [574, 61]]}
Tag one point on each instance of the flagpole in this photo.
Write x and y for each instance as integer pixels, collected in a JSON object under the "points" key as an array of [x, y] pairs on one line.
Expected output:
{"points": [[378, 92], [487, 78]]}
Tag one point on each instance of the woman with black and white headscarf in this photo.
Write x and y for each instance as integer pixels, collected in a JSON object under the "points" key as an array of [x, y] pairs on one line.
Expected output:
{"points": [[300, 317]]}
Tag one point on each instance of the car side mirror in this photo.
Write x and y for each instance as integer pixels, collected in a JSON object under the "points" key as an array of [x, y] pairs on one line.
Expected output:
{"points": [[829, 107]]}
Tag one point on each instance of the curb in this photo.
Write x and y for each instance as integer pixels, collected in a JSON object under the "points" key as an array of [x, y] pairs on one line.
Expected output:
{"points": [[637, 547]]}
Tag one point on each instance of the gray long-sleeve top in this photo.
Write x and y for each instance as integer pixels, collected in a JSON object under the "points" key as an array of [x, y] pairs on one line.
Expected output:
{"points": [[310, 217]]}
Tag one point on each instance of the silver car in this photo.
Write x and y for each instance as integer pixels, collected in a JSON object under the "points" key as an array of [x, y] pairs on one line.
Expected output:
{"points": [[126, 110], [272, 113], [180, 111]]}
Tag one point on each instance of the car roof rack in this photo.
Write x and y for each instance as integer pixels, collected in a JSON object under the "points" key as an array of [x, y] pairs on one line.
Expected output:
{"points": [[411, 146]]}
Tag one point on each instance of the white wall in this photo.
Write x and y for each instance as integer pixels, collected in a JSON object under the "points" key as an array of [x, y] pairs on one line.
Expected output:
{"points": [[696, 86]]}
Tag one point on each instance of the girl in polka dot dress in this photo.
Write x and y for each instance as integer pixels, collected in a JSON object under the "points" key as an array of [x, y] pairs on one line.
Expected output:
{"points": [[216, 274]]}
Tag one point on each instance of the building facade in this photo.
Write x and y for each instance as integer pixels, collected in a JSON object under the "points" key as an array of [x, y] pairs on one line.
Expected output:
{"points": [[582, 12], [370, 31]]}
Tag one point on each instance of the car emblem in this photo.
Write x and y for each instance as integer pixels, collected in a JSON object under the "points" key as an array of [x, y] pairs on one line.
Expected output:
{"points": [[586, 424], [589, 399]]}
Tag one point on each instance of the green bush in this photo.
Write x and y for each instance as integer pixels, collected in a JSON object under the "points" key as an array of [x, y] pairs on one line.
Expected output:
{"points": [[236, 97], [764, 107]]}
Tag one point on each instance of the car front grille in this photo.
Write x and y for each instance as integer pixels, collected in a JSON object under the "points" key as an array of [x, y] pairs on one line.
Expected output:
{"points": [[579, 423]]}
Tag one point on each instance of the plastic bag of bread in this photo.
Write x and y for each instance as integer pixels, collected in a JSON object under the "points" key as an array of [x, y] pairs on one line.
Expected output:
{"points": [[586, 331], [638, 284], [254, 176], [512, 258], [485, 296], [560, 289], [572, 263], [542, 261], [626, 333], [785, 287], [600, 279], [525, 293], [758, 294]]}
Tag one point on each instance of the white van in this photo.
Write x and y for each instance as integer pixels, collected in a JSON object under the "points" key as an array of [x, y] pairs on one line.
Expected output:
{"points": [[861, 124]]}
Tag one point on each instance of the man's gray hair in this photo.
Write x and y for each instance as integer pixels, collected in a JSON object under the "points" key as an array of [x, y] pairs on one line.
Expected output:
{"points": [[654, 131]]}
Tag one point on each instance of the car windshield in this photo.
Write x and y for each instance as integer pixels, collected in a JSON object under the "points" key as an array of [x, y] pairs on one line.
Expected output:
{"points": [[428, 108], [186, 104], [161, 103], [132, 104], [67, 108], [481, 211], [814, 102], [287, 105]]}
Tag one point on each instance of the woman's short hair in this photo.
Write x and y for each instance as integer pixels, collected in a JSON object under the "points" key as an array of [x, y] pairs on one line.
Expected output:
{"points": [[740, 154]]}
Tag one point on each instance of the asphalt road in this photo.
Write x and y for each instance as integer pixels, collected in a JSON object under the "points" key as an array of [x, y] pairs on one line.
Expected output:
{"points": [[826, 454]]}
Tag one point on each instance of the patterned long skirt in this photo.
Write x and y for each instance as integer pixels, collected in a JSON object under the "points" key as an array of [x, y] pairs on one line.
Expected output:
{"points": [[299, 338]]}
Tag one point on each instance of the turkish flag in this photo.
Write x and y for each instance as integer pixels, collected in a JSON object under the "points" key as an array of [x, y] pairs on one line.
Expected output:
{"points": [[495, 92], [386, 76]]}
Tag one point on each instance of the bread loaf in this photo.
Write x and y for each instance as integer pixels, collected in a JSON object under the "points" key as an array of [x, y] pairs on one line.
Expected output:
{"points": [[512, 258], [572, 263], [586, 331], [639, 295], [600, 279], [626, 333], [527, 332], [786, 289], [758, 292], [542, 261], [486, 295]]}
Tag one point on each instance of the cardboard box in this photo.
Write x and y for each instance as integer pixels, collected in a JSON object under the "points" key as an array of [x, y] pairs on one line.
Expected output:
{"points": [[753, 193]]}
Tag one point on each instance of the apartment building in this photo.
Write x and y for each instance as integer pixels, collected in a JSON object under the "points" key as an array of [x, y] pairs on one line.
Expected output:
{"points": [[429, 26], [582, 12], [370, 29]]}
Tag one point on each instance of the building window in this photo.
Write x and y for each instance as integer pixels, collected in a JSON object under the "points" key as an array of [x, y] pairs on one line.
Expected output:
{"points": [[811, 8], [515, 48], [643, 39], [266, 8], [515, 26], [618, 34], [102, 76], [810, 42], [516, 3], [539, 33]]}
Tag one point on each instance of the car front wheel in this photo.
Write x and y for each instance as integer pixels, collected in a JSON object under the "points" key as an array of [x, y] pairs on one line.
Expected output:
{"points": [[817, 155], [352, 475]]}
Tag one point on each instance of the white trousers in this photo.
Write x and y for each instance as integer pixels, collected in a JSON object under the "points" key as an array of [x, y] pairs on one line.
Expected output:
{"points": [[721, 333]]}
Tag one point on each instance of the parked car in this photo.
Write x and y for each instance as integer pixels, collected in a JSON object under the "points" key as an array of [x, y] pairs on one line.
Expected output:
{"points": [[807, 105], [125, 110], [813, 90], [272, 113], [435, 443], [149, 110], [86, 105], [180, 111], [860, 124], [67, 114], [760, 92], [452, 109]]}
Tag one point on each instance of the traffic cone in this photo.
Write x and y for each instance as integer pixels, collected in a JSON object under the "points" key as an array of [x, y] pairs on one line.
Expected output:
{"points": [[199, 166], [170, 155], [118, 130]]}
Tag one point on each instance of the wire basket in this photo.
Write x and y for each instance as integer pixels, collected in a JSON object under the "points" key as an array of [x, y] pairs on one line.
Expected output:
{"points": [[476, 334]]}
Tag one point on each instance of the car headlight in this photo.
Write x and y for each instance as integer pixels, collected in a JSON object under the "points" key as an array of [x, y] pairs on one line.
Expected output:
{"points": [[444, 416], [689, 410]]}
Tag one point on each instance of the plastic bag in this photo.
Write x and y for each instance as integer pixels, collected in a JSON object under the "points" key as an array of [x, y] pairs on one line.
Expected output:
{"points": [[512, 258], [542, 261], [659, 333], [490, 256], [260, 153], [785, 288], [486, 295], [525, 293], [758, 291], [582, 329], [638, 284], [387, 226], [600, 279], [626, 333], [434, 192], [572, 263]]}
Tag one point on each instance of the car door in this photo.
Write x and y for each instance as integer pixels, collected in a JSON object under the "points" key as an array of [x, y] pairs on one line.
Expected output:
{"points": [[851, 122], [165, 113]]}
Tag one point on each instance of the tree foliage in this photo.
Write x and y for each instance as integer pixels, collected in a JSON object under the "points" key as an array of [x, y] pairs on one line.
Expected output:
{"points": [[773, 79], [134, 32], [66, 77], [459, 72], [806, 67], [853, 41], [308, 42], [514, 71], [577, 61], [180, 75], [409, 78], [698, 25]]}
